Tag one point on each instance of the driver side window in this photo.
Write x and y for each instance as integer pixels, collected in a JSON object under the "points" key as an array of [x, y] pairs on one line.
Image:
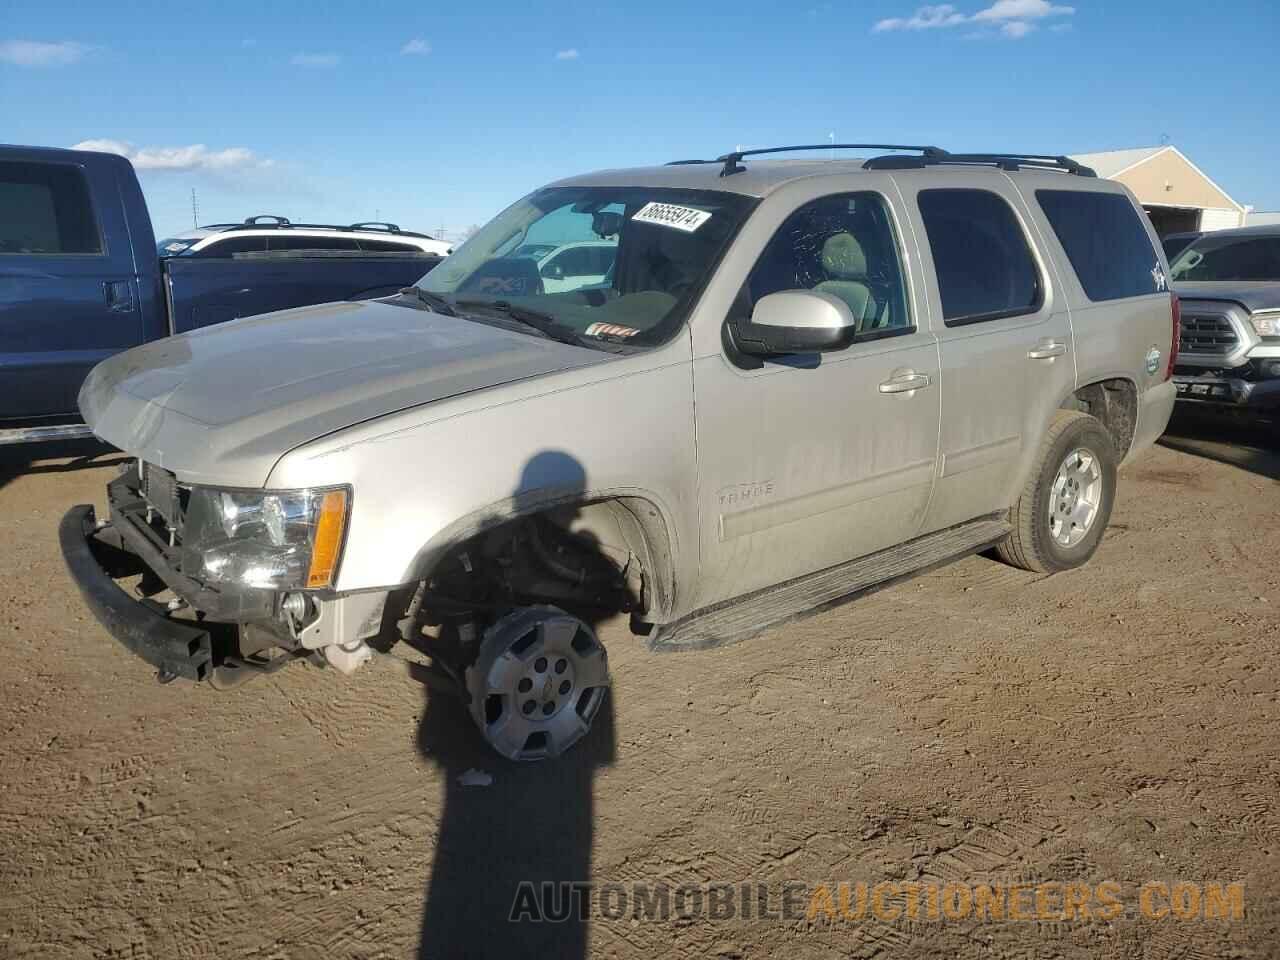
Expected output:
{"points": [[841, 245]]}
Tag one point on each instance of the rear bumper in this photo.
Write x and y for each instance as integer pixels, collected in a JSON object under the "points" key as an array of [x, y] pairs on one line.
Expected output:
{"points": [[174, 648], [1228, 391], [1155, 406]]}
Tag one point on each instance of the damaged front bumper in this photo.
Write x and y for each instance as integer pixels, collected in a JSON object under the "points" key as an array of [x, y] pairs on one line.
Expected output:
{"points": [[92, 553], [234, 629]]}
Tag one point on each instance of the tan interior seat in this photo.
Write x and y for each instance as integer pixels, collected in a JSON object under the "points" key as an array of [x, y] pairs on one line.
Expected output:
{"points": [[845, 264]]}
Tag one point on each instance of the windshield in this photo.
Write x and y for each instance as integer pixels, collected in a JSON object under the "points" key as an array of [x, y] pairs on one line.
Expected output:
{"points": [[620, 264], [1229, 258], [175, 245]]}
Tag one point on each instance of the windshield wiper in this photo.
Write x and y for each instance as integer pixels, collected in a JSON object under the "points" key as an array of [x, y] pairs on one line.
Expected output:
{"points": [[544, 323], [433, 300]]}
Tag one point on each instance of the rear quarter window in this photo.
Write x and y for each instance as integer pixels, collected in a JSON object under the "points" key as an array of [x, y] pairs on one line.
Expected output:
{"points": [[1105, 241], [45, 211]]}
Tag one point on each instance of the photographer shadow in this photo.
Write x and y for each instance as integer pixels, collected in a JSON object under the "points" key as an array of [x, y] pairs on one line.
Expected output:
{"points": [[508, 828]]}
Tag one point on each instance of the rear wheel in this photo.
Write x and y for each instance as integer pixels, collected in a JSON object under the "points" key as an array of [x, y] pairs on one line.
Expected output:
{"points": [[1059, 518], [537, 683]]}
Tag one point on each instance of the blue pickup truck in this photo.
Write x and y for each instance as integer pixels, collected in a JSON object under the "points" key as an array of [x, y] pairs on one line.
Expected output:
{"points": [[80, 279]]}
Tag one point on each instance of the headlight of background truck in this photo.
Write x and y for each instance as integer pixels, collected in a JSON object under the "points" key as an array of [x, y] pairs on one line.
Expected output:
{"points": [[282, 539], [1267, 323]]}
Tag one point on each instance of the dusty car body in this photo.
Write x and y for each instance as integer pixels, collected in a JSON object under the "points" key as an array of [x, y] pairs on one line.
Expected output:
{"points": [[795, 390]]}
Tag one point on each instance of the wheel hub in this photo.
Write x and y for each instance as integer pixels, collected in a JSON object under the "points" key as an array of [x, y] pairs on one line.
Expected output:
{"points": [[1075, 497]]}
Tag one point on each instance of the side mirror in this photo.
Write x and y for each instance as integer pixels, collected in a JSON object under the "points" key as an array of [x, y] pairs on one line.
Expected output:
{"points": [[797, 321]]}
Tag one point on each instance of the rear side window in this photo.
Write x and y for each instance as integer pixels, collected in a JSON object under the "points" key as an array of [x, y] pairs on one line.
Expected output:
{"points": [[1105, 241], [45, 210], [233, 245], [312, 243], [984, 266], [387, 246]]}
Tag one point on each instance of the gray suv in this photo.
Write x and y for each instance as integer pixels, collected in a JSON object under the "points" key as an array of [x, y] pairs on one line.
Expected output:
{"points": [[798, 381]]}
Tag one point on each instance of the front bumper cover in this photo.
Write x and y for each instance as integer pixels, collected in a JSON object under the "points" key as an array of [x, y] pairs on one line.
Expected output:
{"points": [[1228, 391], [175, 648]]}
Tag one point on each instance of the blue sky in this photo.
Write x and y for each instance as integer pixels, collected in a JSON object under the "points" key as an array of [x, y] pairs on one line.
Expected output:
{"points": [[437, 115]]}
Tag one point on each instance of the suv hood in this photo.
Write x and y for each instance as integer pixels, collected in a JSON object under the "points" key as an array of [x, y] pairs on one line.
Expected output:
{"points": [[1253, 296], [224, 403]]}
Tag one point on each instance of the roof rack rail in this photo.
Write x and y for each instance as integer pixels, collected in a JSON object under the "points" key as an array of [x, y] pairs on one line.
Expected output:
{"points": [[1005, 161], [374, 225], [733, 161], [284, 223]]}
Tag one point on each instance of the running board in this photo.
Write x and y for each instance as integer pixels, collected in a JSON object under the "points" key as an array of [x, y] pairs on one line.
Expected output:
{"points": [[70, 431], [757, 612]]}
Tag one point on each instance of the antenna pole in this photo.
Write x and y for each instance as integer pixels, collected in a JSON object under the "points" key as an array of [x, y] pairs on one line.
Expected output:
{"points": [[195, 210]]}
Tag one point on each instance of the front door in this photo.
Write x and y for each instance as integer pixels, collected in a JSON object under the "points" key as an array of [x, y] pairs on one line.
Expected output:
{"points": [[806, 461]]}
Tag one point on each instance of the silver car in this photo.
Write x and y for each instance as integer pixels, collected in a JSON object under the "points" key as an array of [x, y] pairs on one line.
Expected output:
{"points": [[800, 380]]}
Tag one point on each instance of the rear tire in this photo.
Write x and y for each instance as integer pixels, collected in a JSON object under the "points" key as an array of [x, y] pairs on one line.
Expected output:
{"points": [[1062, 512]]}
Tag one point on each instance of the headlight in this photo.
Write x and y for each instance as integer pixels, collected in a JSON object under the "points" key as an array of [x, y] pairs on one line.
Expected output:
{"points": [[1267, 324], [280, 539]]}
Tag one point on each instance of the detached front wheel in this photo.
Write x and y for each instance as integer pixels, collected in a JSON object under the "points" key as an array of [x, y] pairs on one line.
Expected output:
{"points": [[1059, 518], [537, 683]]}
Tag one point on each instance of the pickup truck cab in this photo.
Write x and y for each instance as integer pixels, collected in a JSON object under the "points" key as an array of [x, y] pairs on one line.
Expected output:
{"points": [[80, 280], [804, 380]]}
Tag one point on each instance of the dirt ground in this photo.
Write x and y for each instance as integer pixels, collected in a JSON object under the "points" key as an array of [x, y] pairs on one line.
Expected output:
{"points": [[977, 725]]}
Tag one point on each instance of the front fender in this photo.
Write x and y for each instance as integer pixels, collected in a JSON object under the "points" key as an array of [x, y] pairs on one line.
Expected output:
{"points": [[426, 479]]}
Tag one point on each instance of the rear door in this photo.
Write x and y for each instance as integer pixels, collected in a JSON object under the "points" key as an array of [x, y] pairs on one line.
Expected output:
{"points": [[69, 286], [1005, 336]]}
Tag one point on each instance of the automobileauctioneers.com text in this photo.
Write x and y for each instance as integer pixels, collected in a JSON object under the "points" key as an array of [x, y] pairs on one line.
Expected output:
{"points": [[886, 901]]}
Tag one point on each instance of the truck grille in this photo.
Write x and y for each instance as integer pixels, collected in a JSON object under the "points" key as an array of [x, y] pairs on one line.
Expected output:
{"points": [[1207, 333]]}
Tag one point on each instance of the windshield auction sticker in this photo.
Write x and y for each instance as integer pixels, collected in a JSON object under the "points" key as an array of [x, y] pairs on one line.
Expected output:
{"points": [[670, 215]]}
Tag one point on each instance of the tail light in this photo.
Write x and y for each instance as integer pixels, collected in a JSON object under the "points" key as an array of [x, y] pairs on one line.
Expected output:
{"points": [[1176, 310]]}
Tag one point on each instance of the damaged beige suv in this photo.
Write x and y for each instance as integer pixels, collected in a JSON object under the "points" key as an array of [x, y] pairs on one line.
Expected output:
{"points": [[797, 381]]}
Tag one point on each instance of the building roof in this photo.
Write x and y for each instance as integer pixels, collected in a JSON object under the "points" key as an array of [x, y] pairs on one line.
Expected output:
{"points": [[1111, 162]]}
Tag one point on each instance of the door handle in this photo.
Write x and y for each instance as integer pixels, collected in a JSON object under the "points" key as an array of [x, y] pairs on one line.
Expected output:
{"points": [[1047, 350], [905, 383]]}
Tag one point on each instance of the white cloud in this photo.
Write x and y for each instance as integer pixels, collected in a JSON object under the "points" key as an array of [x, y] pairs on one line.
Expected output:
{"points": [[416, 47], [1014, 18], [926, 18], [315, 59], [37, 53], [570, 54], [1022, 10], [194, 157]]}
